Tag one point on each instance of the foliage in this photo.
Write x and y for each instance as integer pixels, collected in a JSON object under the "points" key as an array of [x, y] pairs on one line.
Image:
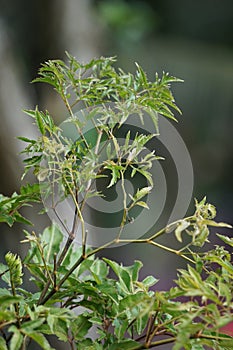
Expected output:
{"points": [[76, 298]]}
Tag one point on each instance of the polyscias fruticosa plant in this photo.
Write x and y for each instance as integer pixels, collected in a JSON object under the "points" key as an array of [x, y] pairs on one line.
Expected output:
{"points": [[125, 312]]}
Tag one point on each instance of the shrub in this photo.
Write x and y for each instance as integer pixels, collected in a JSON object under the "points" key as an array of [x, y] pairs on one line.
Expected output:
{"points": [[74, 291]]}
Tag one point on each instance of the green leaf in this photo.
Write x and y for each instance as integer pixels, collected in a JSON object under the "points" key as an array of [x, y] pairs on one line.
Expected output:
{"points": [[154, 117], [110, 291], [80, 326], [16, 340], [9, 206], [142, 204], [149, 281], [19, 218], [136, 303], [216, 224], [180, 228], [226, 239], [39, 119], [7, 300], [59, 322], [124, 345], [85, 345], [122, 274], [120, 327], [205, 210], [142, 192], [32, 325], [141, 76], [25, 139], [2, 344], [135, 268], [115, 172], [225, 264], [53, 238], [99, 269], [39, 339]]}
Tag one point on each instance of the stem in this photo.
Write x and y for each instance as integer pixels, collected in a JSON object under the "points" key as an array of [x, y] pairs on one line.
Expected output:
{"points": [[55, 270], [132, 240], [177, 252], [173, 339], [25, 343], [16, 305], [94, 251], [66, 247], [50, 279], [54, 290], [161, 342], [65, 100], [212, 337], [61, 222], [147, 240], [100, 133], [168, 227], [154, 344], [79, 214], [71, 237], [84, 243], [150, 325]]}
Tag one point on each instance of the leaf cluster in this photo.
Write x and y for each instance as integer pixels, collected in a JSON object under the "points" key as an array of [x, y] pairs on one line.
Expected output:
{"points": [[95, 303], [123, 311], [10, 206]]}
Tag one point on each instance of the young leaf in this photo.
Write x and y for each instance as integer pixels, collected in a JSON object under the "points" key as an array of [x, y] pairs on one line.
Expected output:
{"points": [[15, 268], [180, 228]]}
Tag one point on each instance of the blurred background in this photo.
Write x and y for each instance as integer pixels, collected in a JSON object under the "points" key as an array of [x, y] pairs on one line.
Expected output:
{"points": [[192, 40]]}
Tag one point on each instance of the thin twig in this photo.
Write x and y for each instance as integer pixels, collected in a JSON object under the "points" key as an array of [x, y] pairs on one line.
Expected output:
{"points": [[54, 290]]}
